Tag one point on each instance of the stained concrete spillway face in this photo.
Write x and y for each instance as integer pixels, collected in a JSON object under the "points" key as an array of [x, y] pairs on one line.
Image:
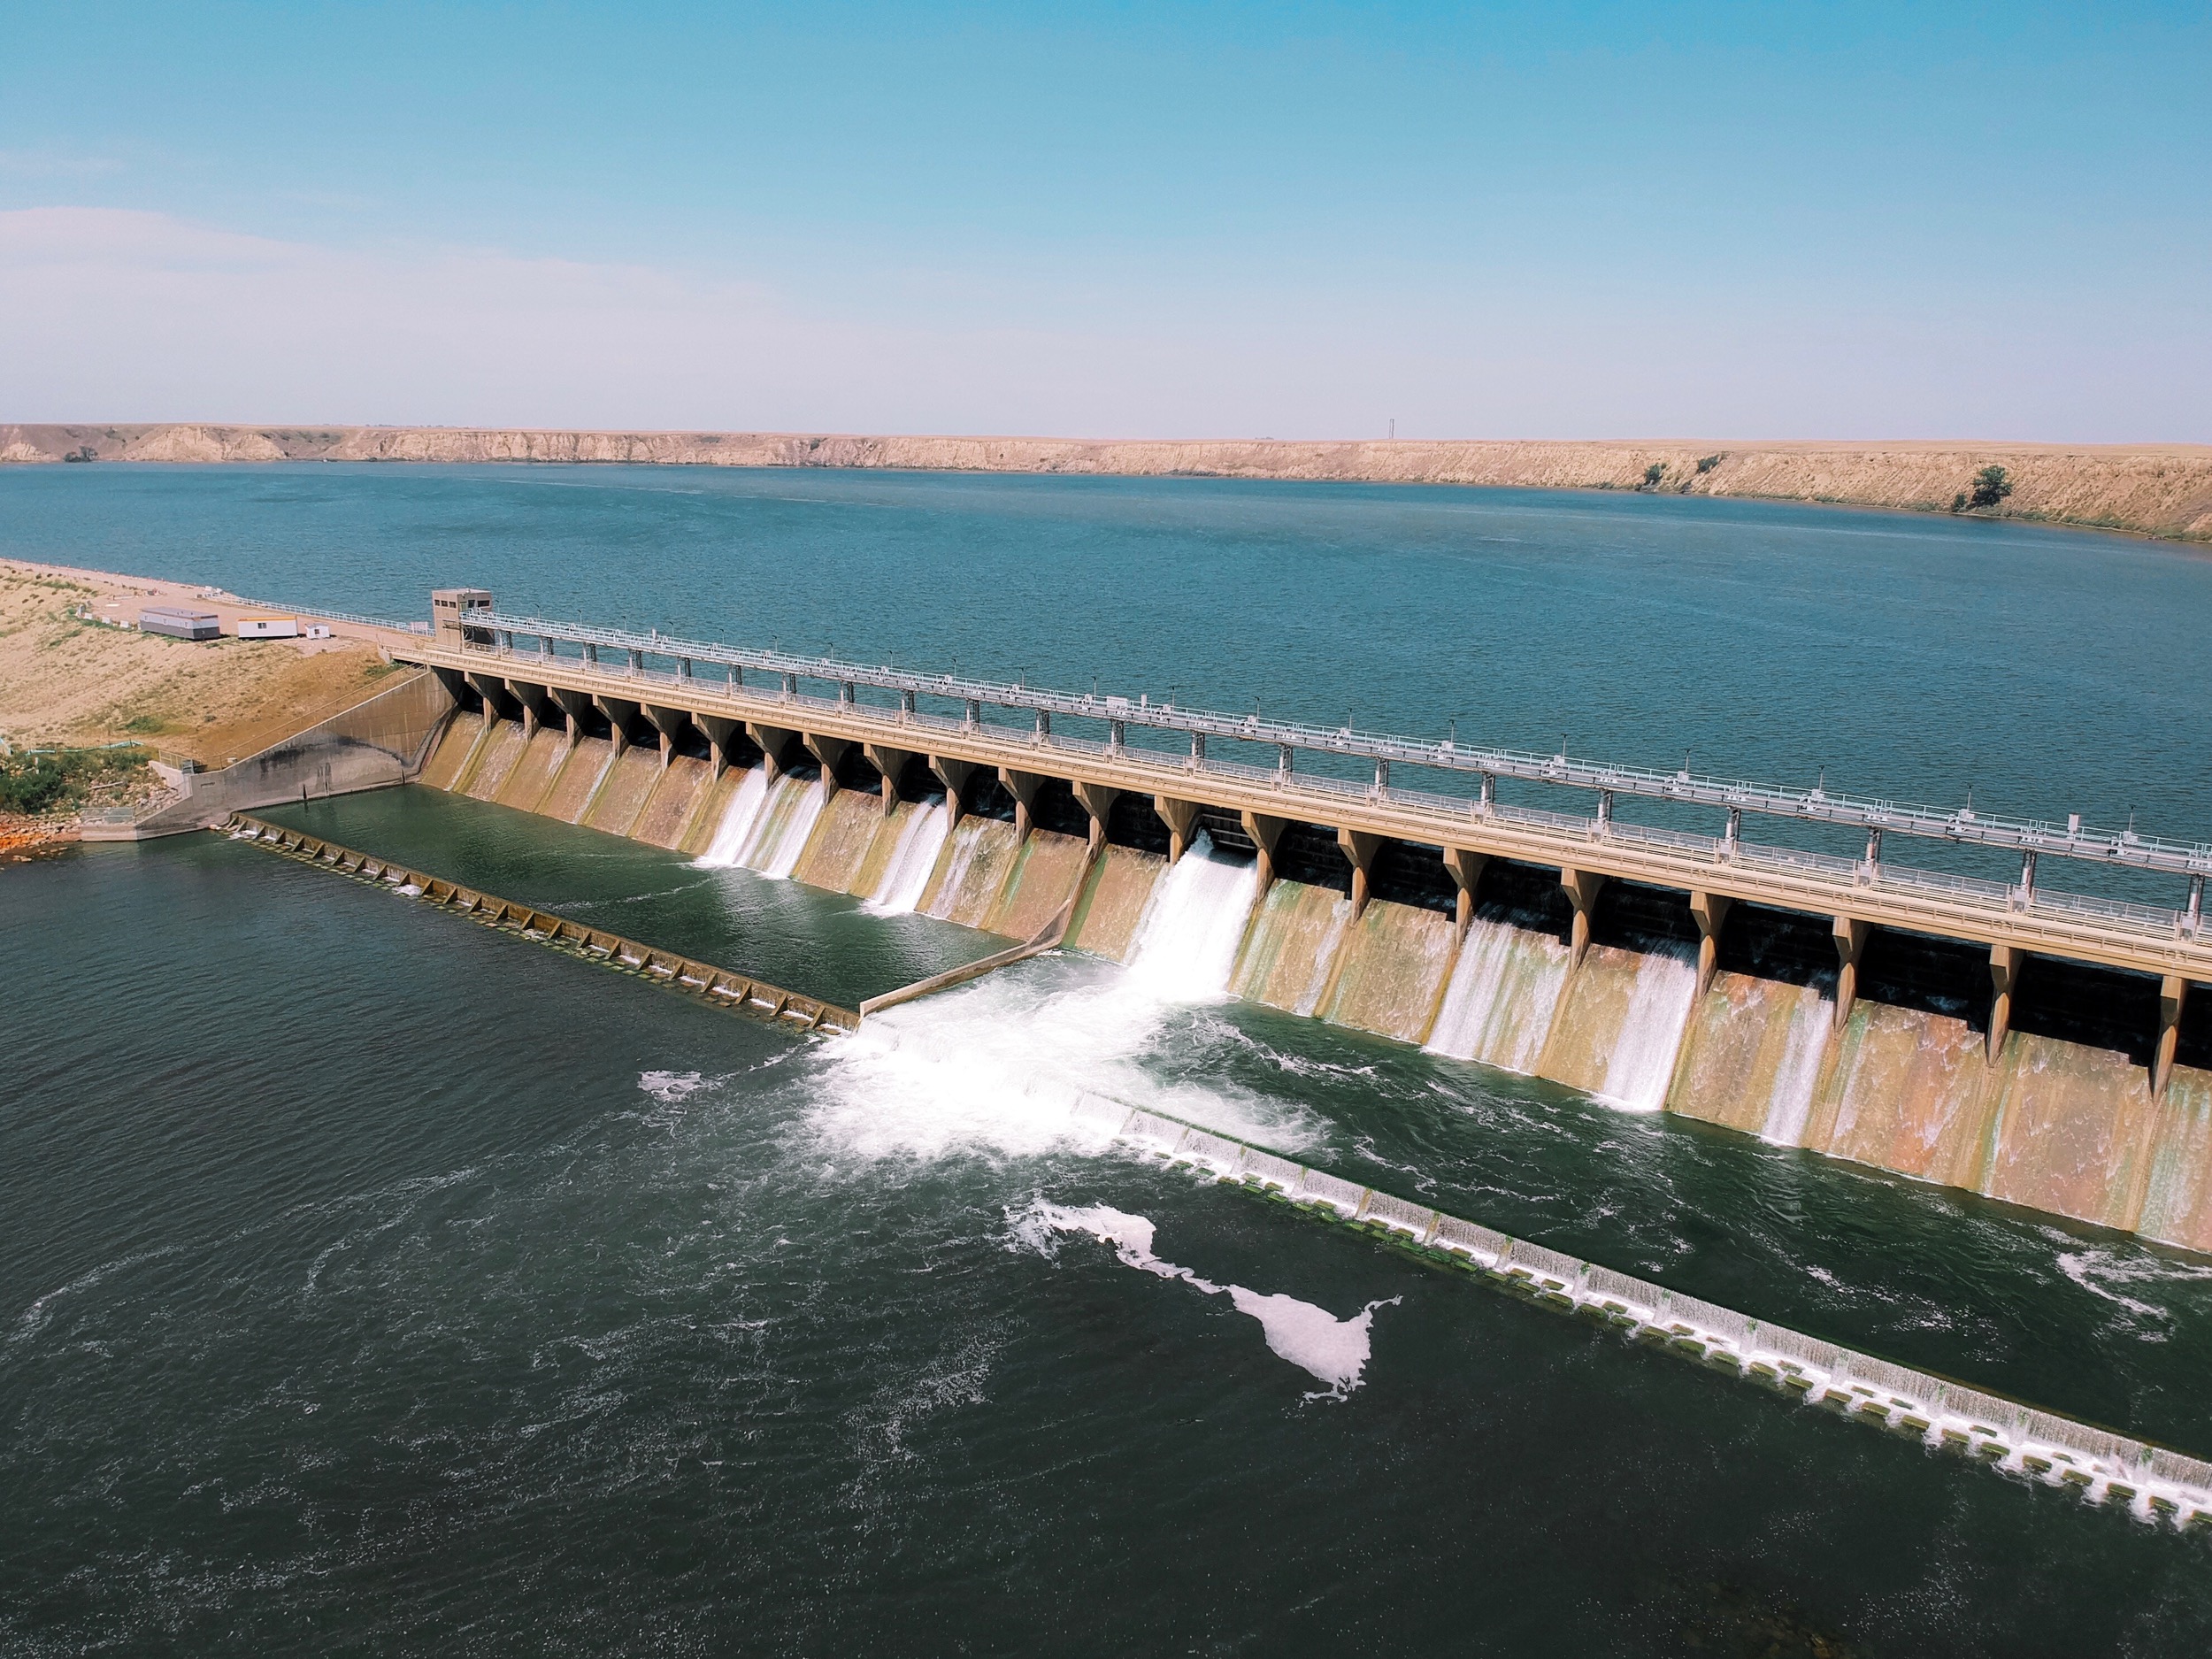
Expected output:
{"points": [[2053, 1108]]}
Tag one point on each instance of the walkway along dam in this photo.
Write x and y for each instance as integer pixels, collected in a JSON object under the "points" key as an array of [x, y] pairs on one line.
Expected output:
{"points": [[2040, 1047]]}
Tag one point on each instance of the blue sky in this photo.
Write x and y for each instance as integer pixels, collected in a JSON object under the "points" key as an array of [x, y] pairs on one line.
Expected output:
{"points": [[1596, 220]]}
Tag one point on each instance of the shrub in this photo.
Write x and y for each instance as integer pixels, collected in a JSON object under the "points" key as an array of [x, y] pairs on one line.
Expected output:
{"points": [[1653, 473], [1707, 463], [1991, 487], [39, 783]]}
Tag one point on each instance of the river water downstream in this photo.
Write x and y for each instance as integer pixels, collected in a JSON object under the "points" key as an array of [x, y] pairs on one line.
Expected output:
{"points": [[370, 1282]]}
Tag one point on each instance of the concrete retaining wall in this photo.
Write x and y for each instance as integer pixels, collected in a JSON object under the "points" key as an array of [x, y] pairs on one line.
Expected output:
{"points": [[2153, 1482], [382, 742]]}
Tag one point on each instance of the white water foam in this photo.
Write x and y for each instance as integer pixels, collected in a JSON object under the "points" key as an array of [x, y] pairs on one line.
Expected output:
{"points": [[1794, 1078], [738, 820], [1313, 1338], [2102, 1271], [1186, 943], [1504, 991], [1641, 1064], [999, 1067], [670, 1088], [1332, 1350], [913, 860]]}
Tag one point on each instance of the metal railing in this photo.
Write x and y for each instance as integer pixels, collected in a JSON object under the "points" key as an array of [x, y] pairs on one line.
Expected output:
{"points": [[1963, 825], [1176, 772], [2123, 848]]}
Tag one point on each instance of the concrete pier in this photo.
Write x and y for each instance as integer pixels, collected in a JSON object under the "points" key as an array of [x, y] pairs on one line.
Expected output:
{"points": [[1710, 910], [1851, 936], [2005, 963], [1582, 887]]}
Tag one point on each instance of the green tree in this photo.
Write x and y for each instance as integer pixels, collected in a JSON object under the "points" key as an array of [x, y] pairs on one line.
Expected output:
{"points": [[1991, 486], [1653, 473]]}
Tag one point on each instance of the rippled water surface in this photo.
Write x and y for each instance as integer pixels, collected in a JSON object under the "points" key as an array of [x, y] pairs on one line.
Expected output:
{"points": [[370, 1282], [1904, 655]]}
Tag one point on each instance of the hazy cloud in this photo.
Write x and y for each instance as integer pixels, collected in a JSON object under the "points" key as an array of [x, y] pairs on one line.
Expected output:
{"points": [[121, 315]]}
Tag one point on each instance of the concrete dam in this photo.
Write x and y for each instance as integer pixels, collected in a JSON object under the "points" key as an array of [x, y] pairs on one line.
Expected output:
{"points": [[2043, 1048]]}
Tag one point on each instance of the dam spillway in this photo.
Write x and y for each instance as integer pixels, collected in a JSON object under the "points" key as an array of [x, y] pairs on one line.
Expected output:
{"points": [[2038, 1046]]}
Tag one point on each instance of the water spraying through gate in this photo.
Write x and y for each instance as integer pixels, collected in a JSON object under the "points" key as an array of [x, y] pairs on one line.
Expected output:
{"points": [[907, 875], [738, 818], [766, 825], [998, 1066], [1186, 941], [1641, 1063]]}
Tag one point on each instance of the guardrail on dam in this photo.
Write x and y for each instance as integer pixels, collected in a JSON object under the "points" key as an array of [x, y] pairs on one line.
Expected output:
{"points": [[2033, 1045], [2022, 916]]}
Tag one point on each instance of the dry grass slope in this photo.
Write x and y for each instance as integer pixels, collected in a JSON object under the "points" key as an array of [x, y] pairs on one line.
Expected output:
{"points": [[66, 681]]}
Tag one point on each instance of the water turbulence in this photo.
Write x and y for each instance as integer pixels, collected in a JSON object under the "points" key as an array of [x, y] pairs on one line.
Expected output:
{"points": [[999, 1066], [1333, 1351], [907, 874]]}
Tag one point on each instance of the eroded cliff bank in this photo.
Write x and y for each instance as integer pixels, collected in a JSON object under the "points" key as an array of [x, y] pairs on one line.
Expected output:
{"points": [[2151, 489]]}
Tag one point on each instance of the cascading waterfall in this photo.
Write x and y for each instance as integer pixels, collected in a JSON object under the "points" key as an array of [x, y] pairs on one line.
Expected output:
{"points": [[964, 845], [972, 838], [786, 819], [1503, 994], [912, 861], [1641, 1062], [738, 820], [1186, 944], [1798, 1074], [1617, 1028]]}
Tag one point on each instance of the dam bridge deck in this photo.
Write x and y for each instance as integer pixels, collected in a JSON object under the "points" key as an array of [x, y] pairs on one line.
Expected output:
{"points": [[2010, 918]]}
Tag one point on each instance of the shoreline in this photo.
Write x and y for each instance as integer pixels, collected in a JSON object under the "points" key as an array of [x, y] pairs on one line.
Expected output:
{"points": [[2160, 492]]}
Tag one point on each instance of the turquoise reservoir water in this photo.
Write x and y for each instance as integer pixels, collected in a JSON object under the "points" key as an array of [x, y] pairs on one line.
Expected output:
{"points": [[1912, 656], [372, 1283]]}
